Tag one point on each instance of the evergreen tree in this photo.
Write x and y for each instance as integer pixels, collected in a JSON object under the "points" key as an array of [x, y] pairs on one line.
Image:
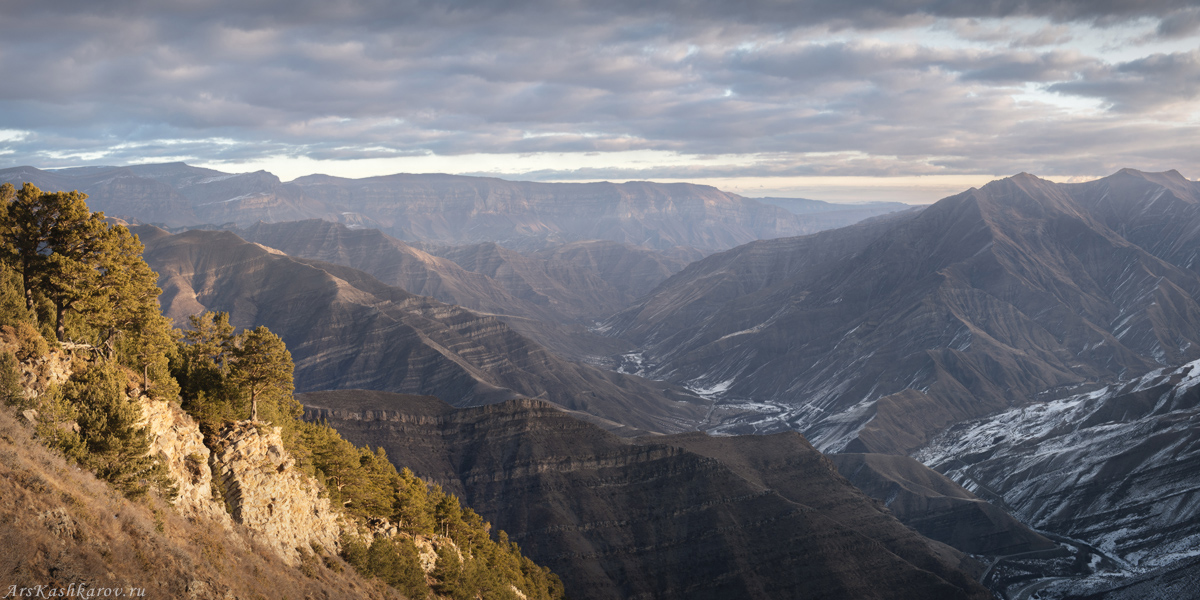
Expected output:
{"points": [[116, 445], [448, 571], [262, 367], [25, 233], [200, 365], [412, 512], [448, 513], [395, 561]]}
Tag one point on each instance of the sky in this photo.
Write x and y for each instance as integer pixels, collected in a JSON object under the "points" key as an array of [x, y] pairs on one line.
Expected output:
{"points": [[842, 100]]}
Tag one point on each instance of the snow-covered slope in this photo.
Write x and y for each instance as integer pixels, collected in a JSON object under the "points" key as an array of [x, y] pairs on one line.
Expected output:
{"points": [[1118, 468]]}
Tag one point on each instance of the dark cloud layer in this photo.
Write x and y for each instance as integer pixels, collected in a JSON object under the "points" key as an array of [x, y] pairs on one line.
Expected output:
{"points": [[812, 87]]}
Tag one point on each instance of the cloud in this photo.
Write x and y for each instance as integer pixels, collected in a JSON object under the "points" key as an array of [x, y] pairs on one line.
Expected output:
{"points": [[1155, 82], [815, 87]]}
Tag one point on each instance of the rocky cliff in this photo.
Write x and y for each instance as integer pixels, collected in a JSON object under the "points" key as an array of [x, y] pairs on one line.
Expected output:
{"points": [[445, 209], [439, 208], [176, 439], [550, 299], [262, 489], [66, 531]]}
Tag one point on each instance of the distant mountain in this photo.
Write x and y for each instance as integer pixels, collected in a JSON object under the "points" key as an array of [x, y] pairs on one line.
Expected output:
{"points": [[391, 261], [1118, 467], [830, 215], [346, 329], [683, 516], [549, 296], [445, 209], [876, 336]]}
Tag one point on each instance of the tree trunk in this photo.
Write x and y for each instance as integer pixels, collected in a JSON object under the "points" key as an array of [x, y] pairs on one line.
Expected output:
{"points": [[28, 295], [253, 406], [60, 328]]}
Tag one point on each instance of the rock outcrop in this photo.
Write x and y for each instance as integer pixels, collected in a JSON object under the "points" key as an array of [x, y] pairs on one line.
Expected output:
{"points": [[263, 489], [175, 437], [255, 479], [63, 529]]}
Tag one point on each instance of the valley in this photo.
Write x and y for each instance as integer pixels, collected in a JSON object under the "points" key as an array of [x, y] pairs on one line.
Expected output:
{"points": [[676, 392]]}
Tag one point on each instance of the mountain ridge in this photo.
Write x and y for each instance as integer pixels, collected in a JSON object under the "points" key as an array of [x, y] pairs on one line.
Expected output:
{"points": [[904, 325], [446, 209]]}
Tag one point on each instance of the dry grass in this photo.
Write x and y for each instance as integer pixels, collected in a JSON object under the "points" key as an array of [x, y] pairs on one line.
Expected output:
{"points": [[61, 526]]}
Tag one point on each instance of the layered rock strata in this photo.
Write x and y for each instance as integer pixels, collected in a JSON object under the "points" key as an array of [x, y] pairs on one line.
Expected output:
{"points": [[659, 517], [175, 437], [263, 490]]}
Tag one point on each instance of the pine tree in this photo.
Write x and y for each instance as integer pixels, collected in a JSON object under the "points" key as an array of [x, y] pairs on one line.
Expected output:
{"points": [[395, 561], [412, 511], [448, 513], [25, 234], [449, 573], [116, 445], [262, 366]]}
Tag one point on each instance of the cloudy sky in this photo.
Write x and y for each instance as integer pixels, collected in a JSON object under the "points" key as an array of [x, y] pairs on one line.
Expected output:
{"points": [[831, 99]]}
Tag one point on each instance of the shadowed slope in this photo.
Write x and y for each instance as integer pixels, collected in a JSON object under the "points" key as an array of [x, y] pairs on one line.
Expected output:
{"points": [[653, 519], [346, 329]]}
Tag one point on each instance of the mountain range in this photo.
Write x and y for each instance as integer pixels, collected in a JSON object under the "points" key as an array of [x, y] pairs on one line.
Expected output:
{"points": [[346, 329], [638, 381], [874, 337], [444, 209]]}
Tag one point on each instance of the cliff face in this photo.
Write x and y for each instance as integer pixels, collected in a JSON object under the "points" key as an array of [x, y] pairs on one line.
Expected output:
{"points": [[263, 490], [251, 478], [68, 532], [176, 439], [655, 518]]}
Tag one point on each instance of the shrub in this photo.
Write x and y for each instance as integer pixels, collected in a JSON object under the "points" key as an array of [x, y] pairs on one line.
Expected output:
{"points": [[30, 343]]}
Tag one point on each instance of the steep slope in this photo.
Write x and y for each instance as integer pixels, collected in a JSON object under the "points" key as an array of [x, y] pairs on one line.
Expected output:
{"points": [[561, 287], [1117, 467], [64, 530], [655, 518], [346, 329], [1160, 212], [632, 270], [937, 507], [547, 316], [872, 337], [392, 262]]}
